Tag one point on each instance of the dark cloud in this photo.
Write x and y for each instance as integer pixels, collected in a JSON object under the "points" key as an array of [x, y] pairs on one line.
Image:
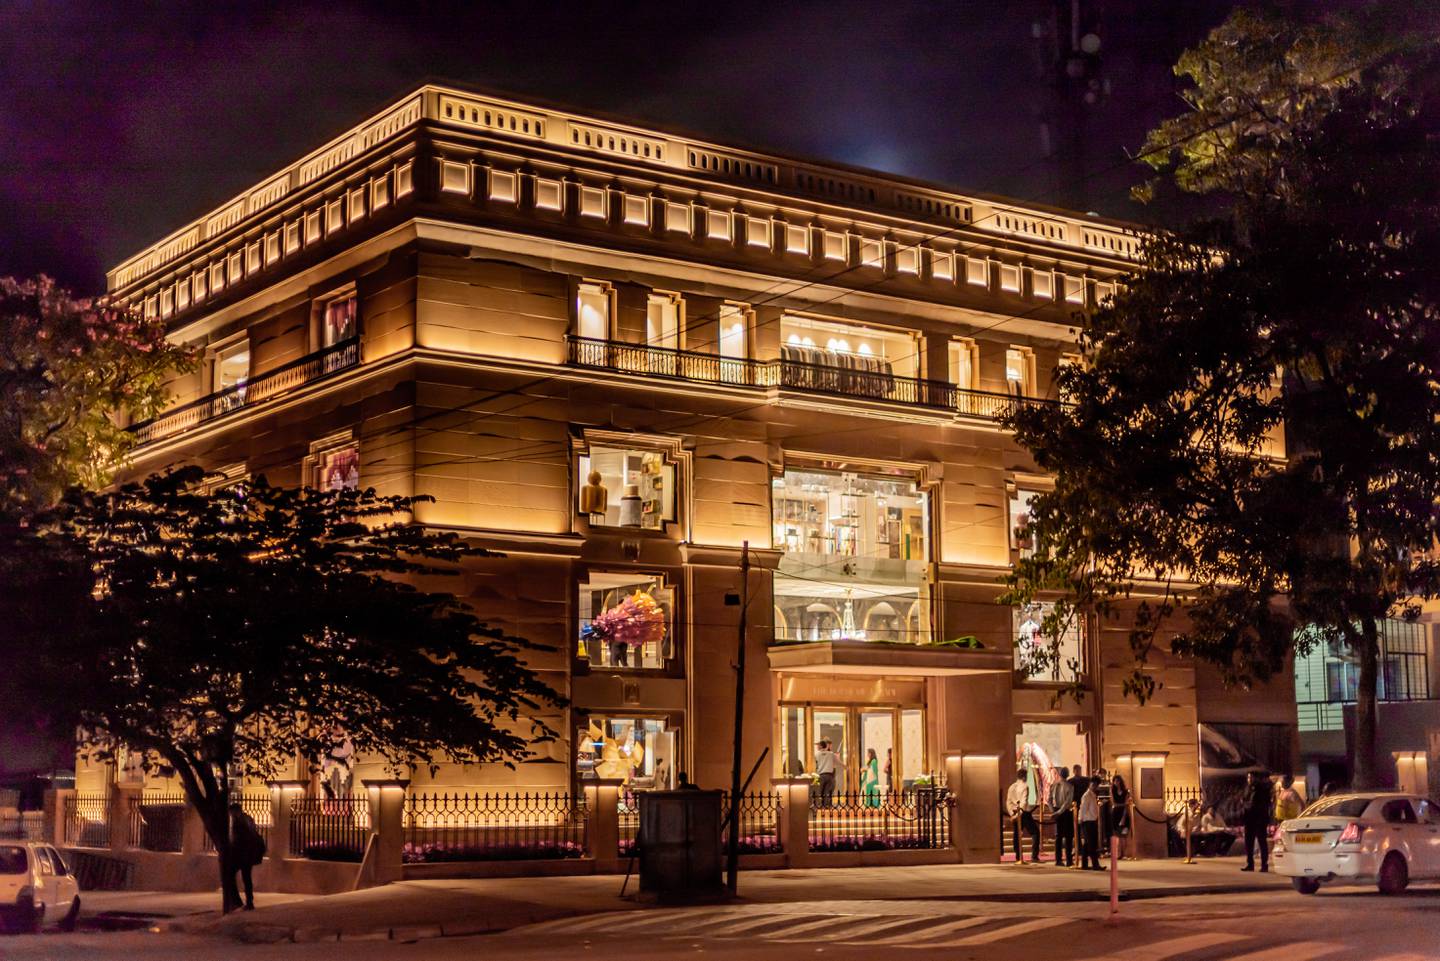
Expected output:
{"points": [[123, 121]]}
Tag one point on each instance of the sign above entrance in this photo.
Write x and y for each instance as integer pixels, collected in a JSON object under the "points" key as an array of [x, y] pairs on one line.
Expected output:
{"points": [[851, 690]]}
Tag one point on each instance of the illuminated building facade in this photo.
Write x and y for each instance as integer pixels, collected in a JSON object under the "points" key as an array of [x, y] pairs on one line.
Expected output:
{"points": [[616, 355]]}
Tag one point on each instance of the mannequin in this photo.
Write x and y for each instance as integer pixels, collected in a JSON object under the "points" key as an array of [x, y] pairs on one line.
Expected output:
{"points": [[630, 506], [594, 498]]}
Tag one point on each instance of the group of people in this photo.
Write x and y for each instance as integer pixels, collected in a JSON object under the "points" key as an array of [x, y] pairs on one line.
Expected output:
{"points": [[1085, 811], [828, 763], [1261, 807]]}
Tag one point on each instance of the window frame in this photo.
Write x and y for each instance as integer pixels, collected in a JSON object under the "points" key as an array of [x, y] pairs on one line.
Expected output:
{"points": [[1082, 647], [673, 453], [1026, 385], [581, 718], [321, 305], [326, 446], [607, 291]]}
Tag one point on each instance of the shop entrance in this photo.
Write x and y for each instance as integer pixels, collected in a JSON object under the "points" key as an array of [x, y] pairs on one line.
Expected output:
{"points": [[890, 736]]}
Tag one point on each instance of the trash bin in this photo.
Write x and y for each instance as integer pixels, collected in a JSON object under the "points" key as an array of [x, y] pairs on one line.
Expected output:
{"points": [[679, 844]]}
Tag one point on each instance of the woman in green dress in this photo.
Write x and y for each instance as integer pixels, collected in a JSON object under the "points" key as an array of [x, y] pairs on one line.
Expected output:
{"points": [[870, 780]]}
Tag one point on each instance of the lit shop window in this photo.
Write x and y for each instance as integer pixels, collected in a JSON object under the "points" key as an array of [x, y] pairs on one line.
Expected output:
{"points": [[855, 561], [846, 358], [640, 751], [339, 324], [734, 343], [338, 469], [1022, 537], [592, 311], [625, 620], [229, 372], [662, 321], [623, 487], [964, 356], [1032, 644], [1020, 370]]}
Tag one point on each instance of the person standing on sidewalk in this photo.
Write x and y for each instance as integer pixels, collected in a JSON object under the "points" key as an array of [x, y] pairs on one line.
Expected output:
{"points": [[1288, 803], [825, 761], [1258, 807], [247, 847], [1120, 812], [1021, 812], [1062, 798], [1089, 820]]}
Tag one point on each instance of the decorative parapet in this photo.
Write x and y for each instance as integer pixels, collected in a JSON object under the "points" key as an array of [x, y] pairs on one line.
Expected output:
{"points": [[628, 144]]}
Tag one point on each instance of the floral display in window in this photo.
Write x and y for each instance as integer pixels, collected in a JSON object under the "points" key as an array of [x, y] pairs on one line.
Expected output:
{"points": [[625, 620], [1035, 656]]}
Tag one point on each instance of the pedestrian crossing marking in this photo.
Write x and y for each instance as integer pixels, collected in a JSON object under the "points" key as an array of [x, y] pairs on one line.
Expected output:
{"points": [[943, 929], [1009, 931], [1163, 950], [1298, 949]]}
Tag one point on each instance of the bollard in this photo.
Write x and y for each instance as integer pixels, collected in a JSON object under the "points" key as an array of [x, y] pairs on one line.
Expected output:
{"points": [[1078, 864], [1114, 876]]}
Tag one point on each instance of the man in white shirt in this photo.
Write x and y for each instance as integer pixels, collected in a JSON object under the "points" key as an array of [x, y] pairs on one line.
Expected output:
{"points": [[1089, 818], [826, 761], [1021, 812]]}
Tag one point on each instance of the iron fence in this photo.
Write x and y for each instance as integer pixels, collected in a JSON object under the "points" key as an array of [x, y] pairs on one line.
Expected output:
{"points": [[258, 806], [479, 826], [157, 821], [87, 821], [297, 373], [758, 823], [878, 821], [329, 829], [23, 825]]}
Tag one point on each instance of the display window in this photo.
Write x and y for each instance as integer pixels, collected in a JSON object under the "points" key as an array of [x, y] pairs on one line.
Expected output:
{"points": [[338, 469], [1022, 537], [626, 620], [593, 309], [856, 551], [1030, 641], [1042, 748], [639, 751], [230, 372], [627, 487], [868, 352]]}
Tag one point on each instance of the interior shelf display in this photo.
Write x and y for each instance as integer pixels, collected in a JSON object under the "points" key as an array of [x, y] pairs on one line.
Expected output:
{"points": [[1031, 640], [638, 751], [855, 557], [635, 488]]}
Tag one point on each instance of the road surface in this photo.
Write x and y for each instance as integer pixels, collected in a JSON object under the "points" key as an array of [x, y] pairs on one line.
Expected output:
{"points": [[1338, 924]]}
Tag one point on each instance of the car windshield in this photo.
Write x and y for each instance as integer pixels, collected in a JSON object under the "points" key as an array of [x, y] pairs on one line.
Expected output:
{"points": [[1343, 807], [12, 859]]}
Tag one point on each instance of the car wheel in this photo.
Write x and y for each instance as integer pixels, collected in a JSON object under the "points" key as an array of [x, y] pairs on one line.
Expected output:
{"points": [[67, 923], [1305, 885], [1394, 875]]}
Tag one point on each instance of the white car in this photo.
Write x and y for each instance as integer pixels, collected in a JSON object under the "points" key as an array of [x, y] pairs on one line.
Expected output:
{"points": [[35, 886], [1387, 839]]}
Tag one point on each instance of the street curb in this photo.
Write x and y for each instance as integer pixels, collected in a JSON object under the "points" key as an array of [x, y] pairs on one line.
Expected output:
{"points": [[1068, 897]]}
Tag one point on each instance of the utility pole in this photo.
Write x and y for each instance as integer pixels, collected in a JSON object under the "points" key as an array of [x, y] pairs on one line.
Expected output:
{"points": [[732, 854]]}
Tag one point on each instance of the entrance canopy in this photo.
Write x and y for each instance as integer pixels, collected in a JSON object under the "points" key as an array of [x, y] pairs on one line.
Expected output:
{"points": [[870, 657]]}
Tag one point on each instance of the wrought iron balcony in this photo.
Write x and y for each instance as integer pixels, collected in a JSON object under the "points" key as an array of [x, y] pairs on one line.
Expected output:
{"points": [[791, 375], [248, 393]]}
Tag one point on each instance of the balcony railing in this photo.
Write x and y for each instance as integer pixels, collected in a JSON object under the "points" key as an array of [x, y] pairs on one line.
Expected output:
{"points": [[792, 375], [267, 386]]}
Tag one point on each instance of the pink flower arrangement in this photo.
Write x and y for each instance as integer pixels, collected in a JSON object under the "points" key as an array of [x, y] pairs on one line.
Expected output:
{"points": [[635, 621]]}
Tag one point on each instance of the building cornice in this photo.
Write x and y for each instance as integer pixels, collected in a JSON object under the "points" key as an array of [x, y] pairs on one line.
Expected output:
{"points": [[526, 129]]}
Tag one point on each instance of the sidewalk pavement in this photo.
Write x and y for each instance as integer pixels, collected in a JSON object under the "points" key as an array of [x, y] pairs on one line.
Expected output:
{"points": [[411, 910]]}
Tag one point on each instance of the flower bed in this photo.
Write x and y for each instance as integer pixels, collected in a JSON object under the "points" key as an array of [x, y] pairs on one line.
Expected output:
{"points": [[866, 842], [435, 853], [749, 844]]}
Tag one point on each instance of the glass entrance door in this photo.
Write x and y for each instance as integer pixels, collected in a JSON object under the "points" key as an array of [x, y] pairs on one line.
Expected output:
{"points": [[830, 725], [877, 743]]}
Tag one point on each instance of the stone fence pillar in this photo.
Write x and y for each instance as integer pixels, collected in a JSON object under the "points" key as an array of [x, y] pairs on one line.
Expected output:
{"points": [[976, 815], [281, 794], [602, 834], [794, 818], [55, 801], [1149, 828], [387, 822], [122, 798], [955, 784]]}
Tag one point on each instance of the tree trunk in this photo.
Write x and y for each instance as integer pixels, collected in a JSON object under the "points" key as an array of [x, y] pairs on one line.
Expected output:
{"points": [[217, 825], [1363, 763]]}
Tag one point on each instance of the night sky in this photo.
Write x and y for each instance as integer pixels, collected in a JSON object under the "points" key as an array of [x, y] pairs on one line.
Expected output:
{"points": [[122, 121]]}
